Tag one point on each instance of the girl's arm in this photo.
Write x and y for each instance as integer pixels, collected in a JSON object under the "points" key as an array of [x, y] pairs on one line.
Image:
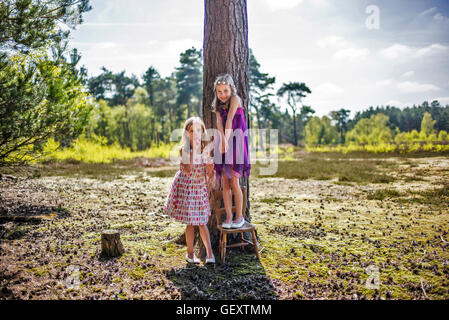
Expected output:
{"points": [[219, 123], [235, 103], [210, 170], [220, 129]]}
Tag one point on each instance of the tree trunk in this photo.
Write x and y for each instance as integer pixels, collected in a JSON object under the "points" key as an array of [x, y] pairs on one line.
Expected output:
{"points": [[225, 51], [111, 246], [295, 133]]}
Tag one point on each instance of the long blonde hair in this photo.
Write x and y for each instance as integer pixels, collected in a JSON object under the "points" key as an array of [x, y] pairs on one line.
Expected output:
{"points": [[222, 79], [185, 141]]}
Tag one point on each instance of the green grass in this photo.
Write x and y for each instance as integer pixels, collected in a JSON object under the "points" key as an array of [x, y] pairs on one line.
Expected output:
{"points": [[385, 148], [344, 170], [384, 194], [88, 151], [438, 197]]}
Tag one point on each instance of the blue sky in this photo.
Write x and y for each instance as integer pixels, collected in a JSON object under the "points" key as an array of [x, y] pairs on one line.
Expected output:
{"points": [[351, 53]]}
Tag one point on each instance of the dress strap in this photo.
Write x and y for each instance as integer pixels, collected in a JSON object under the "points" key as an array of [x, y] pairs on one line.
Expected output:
{"points": [[239, 110]]}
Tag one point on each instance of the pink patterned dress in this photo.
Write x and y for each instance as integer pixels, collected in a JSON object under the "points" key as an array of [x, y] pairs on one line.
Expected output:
{"points": [[188, 199]]}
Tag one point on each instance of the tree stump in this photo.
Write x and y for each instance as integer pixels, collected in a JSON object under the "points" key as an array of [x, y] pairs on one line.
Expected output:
{"points": [[111, 246]]}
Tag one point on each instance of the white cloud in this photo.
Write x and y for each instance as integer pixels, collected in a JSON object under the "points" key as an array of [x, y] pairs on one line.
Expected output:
{"points": [[393, 103], [352, 54], [150, 43], [395, 51], [408, 74], [428, 11], [386, 82], [282, 4], [274, 5], [433, 49], [328, 89], [407, 86], [178, 46], [415, 87], [332, 42], [442, 100], [167, 24], [402, 51], [345, 49], [439, 17]]}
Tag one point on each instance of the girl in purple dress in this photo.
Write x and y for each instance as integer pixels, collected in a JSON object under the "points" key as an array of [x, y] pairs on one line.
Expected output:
{"points": [[233, 145]]}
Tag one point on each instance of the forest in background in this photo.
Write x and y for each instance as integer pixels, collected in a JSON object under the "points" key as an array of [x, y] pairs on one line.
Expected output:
{"points": [[48, 101], [138, 113]]}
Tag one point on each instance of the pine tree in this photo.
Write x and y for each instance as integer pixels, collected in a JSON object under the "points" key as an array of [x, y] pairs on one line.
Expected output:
{"points": [[41, 96]]}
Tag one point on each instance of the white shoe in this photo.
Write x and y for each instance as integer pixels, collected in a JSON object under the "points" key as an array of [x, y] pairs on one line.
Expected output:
{"points": [[194, 260], [238, 224], [210, 260], [226, 225]]}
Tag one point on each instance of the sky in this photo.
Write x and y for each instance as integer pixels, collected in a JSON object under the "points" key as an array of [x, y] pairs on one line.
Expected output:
{"points": [[352, 54]]}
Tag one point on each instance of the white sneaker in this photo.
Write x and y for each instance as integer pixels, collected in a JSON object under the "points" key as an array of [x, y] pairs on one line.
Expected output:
{"points": [[226, 225], [210, 260], [194, 260], [238, 224]]}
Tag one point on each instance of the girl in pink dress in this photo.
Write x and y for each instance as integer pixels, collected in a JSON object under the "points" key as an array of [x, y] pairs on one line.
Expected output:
{"points": [[188, 199]]}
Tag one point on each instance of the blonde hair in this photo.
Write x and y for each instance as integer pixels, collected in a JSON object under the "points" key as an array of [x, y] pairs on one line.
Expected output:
{"points": [[185, 134], [222, 79]]}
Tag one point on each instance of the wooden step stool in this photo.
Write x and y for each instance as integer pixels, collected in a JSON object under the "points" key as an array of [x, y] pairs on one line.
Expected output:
{"points": [[247, 227]]}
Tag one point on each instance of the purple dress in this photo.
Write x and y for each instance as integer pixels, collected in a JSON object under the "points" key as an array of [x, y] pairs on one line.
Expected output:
{"points": [[236, 160]]}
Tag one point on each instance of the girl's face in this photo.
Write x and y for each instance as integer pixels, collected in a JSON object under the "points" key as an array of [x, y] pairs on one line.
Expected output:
{"points": [[195, 131], [223, 92]]}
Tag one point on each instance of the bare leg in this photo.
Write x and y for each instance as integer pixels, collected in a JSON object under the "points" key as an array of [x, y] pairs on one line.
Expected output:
{"points": [[204, 233], [227, 198], [190, 237], [238, 197]]}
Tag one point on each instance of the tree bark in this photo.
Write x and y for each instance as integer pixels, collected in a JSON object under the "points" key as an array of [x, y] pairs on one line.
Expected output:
{"points": [[225, 50], [294, 129]]}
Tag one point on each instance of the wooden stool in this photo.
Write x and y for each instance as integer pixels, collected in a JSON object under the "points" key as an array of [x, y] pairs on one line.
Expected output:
{"points": [[247, 227]]}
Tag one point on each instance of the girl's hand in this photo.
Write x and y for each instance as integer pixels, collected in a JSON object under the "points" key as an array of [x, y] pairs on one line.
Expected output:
{"points": [[210, 171], [187, 167]]}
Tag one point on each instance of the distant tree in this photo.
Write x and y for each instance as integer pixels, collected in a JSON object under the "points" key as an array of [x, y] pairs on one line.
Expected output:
{"points": [[166, 109], [295, 93], [150, 79], [115, 88], [408, 118], [259, 83], [123, 88], [320, 131], [370, 131], [341, 120], [304, 116], [101, 86], [189, 80], [427, 125], [443, 136]]}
